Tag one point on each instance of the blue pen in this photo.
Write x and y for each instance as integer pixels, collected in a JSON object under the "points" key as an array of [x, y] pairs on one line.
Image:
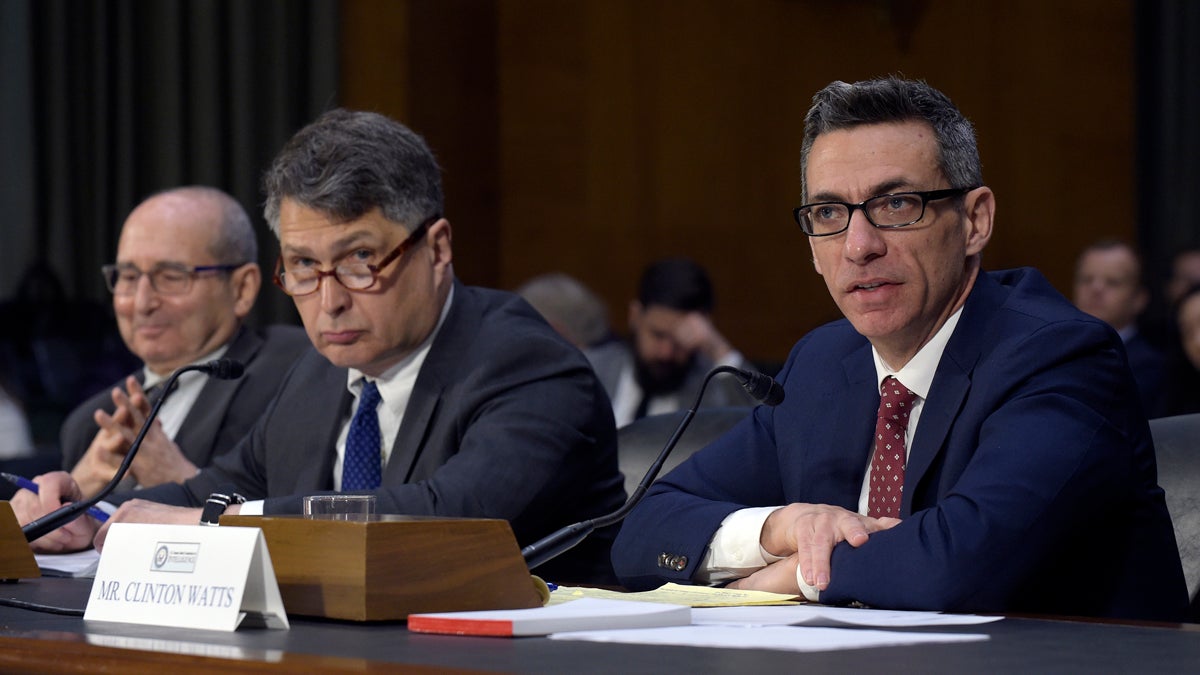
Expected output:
{"points": [[27, 484]]}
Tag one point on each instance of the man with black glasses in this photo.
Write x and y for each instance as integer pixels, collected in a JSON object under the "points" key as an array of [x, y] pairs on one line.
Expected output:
{"points": [[185, 278], [435, 397], [1030, 485]]}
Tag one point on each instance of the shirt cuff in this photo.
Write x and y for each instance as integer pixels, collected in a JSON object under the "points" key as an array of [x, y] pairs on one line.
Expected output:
{"points": [[254, 508], [810, 593], [734, 550]]}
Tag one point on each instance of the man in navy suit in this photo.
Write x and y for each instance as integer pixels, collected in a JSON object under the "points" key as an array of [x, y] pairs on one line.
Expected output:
{"points": [[1030, 485], [475, 406]]}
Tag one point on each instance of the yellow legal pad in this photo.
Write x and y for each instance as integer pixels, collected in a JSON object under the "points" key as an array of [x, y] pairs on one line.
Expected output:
{"points": [[678, 594]]}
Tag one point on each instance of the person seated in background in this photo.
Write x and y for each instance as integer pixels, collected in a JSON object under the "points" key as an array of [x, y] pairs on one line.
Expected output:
{"points": [[570, 307], [671, 347], [1162, 330], [1108, 285], [960, 441], [185, 278], [1185, 275], [1183, 390], [438, 398]]}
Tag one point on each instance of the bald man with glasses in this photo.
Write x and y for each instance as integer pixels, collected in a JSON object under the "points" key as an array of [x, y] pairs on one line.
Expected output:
{"points": [[185, 278]]}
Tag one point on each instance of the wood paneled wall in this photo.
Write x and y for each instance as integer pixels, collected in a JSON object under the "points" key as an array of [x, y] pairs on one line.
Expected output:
{"points": [[594, 136]]}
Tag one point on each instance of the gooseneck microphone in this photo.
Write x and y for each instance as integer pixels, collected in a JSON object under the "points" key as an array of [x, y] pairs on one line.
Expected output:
{"points": [[763, 388], [222, 369]]}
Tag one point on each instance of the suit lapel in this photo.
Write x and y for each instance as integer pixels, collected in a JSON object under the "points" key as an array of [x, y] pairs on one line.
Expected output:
{"points": [[328, 407], [201, 427], [451, 341], [842, 432], [951, 383]]}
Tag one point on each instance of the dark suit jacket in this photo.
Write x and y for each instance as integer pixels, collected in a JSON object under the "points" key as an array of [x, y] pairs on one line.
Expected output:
{"points": [[1030, 487], [506, 420], [225, 410], [1150, 372]]}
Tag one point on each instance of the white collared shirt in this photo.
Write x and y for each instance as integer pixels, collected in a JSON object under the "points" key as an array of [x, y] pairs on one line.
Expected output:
{"points": [[188, 386]]}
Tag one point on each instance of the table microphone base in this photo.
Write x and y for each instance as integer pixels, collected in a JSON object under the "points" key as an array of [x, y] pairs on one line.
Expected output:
{"points": [[16, 558], [388, 567]]}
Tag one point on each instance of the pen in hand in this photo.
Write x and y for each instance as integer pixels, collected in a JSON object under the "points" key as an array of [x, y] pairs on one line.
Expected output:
{"points": [[25, 483]]}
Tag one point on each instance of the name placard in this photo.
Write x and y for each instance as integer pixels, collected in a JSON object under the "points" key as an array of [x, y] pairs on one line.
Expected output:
{"points": [[186, 576]]}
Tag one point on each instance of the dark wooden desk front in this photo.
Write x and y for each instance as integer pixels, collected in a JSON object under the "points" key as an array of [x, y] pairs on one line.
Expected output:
{"points": [[47, 643]]}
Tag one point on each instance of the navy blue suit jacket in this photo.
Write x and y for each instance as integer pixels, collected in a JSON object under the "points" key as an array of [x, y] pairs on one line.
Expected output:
{"points": [[506, 420], [1030, 487], [1150, 372]]}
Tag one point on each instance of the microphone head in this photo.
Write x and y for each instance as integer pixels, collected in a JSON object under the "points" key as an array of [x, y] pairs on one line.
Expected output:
{"points": [[763, 388], [224, 369]]}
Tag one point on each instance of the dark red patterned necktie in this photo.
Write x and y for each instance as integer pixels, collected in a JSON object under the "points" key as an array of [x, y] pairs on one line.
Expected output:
{"points": [[890, 457]]}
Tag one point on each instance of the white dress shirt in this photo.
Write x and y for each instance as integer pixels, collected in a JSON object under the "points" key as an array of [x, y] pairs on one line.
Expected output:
{"points": [[188, 386]]}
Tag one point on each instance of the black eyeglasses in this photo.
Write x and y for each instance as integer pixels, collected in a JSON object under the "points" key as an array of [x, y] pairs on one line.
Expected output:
{"points": [[822, 219], [355, 276], [165, 278]]}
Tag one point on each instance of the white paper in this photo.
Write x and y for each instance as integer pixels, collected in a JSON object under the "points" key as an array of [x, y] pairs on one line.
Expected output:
{"points": [[187, 576], [816, 615], [583, 614], [787, 638], [78, 564]]}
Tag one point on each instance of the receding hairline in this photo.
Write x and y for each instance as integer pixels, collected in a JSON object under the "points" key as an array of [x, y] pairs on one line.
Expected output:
{"points": [[230, 236]]}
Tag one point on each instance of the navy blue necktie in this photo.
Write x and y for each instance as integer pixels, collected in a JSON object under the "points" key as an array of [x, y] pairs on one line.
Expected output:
{"points": [[361, 469]]}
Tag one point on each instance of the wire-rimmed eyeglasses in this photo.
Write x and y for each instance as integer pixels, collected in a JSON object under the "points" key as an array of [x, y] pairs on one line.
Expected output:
{"points": [[167, 278]]}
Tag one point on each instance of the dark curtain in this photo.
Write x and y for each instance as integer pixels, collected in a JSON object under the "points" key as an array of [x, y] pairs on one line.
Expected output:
{"points": [[1168, 136], [134, 96], [103, 102]]}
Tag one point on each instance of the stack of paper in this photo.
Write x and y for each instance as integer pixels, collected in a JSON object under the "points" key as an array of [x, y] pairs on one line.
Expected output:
{"points": [[578, 615], [80, 564]]}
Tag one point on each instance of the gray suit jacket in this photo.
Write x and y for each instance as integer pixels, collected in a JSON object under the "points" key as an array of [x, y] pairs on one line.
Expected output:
{"points": [[224, 412], [506, 420]]}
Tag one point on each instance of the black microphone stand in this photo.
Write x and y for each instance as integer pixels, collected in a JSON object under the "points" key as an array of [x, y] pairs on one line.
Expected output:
{"points": [[760, 386], [225, 369]]}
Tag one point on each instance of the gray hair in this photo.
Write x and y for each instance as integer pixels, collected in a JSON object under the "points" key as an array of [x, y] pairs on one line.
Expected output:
{"points": [[568, 305], [891, 99], [347, 163]]}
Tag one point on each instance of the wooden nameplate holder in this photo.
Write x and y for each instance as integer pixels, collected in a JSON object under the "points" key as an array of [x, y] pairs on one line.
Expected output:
{"points": [[16, 558], [391, 566]]}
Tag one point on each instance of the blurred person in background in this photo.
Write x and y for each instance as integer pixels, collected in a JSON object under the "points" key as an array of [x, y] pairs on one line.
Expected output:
{"points": [[570, 307], [1108, 285], [672, 345]]}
